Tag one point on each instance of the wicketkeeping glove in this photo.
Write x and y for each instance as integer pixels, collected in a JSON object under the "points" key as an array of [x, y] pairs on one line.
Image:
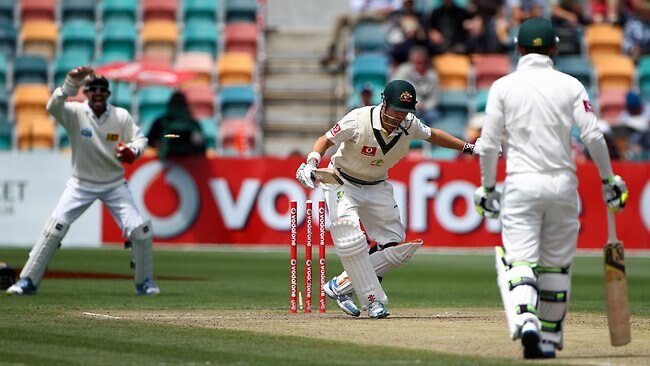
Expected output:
{"points": [[487, 202], [126, 153], [615, 193], [305, 175]]}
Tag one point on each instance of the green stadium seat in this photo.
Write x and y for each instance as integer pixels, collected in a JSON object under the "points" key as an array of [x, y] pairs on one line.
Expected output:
{"points": [[454, 103], [77, 10], [7, 8], [8, 35], [119, 40], [62, 137], [200, 10], [121, 95], [480, 100], [442, 153], [201, 36], [4, 103], [370, 68], [78, 36], [577, 66], [236, 100], [118, 10], [369, 35], [209, 128], [30, 69], [65, 62], [152, 103], [6, 132], [454, 125], [241, 10], [3, 71], [643, 72]]}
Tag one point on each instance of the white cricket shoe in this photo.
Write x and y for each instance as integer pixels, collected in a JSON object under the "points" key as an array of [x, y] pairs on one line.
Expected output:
{"points": [[148, 287], [345, 302], [377, 310], [534, 347]]}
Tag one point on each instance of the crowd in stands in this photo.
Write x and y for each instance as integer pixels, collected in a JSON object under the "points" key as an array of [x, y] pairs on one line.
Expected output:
{"points": [[452, 51], [218, 42]]}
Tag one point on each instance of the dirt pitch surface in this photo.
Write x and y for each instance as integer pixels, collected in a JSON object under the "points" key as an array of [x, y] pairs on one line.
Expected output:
{"points": [[478, 332]]}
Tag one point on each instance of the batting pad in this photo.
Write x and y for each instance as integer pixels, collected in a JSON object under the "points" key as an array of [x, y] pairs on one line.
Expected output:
{"points": [[142, 252], [352, 249], [554, 287], [43, 251]]}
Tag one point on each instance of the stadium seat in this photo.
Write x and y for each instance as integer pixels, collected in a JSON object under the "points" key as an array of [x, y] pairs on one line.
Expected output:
{"points": [[614, 71], [6, 134], [7, 9], [480, 100], [454, 103], [643, 73], [237, 135], [119, 10], [235, 68], [118, 39], [488, 68], [78, 36], [8, 36], [199, 10], [65, 62], [159, 39], [3, 71], [30, 99], [236, 100], [454, 125], [30, 69], [37, 10], [77, 10], [201, 36], [39, 37], [369, 35], [578, 67], [611, 103], [201, 99], [159, 10], [152, 103], [241, 37], [121, 95], [240, 10], [453, 71], [603, 38], [63, 140], [4, 103], [35, 132], [198, 62], [371, 68], [209, 129]]}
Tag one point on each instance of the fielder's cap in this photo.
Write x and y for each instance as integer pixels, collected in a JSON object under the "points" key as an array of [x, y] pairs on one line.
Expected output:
{"points": [[97, 81], [400, 95], [536, 33], [365, 88]]}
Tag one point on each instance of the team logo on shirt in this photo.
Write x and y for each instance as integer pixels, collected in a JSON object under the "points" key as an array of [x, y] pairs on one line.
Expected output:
{"points": [[406, 97], [86, 132], [368, 150], [335, 130], [378, 162], [587, 105], [112, 137]]}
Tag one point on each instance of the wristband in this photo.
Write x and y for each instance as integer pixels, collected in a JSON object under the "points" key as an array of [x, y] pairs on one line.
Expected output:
{"points": [[314, 155], [468, 148]]}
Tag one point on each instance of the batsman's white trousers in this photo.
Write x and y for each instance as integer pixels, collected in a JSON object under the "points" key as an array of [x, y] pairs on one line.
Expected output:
{"points": [[76, 199], [374, 205], [539, 217]]}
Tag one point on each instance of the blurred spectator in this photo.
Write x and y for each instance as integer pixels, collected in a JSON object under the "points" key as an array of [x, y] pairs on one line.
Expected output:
{"points": [[580, 152], [419, 72], [365, 96], [605, 11], [413, 34], [568, 13], [483, 27], [636, 32], [376, 10], [184, 134], [636, 120], [447, 27], [521, 10]]}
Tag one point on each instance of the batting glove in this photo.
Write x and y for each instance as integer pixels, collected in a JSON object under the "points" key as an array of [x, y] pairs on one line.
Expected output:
{"points": [[75, 79], [487, 202], [305, 175], [126, 153], [615, 193]]}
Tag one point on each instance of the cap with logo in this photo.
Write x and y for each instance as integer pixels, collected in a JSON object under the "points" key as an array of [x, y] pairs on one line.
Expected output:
{"points": [[536, 33], [400, 95]]}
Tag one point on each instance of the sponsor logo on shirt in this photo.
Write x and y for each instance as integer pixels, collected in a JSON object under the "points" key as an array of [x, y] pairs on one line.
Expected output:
{"points": [[587, 105], [335, 130], [86, 132], [112, 137], [368, 150]]}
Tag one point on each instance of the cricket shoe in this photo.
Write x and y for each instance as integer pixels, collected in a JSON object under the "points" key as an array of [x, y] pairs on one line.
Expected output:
{"points": [[148, 287], [377, 310], [24, 286], [345, 302], [534, 347]]}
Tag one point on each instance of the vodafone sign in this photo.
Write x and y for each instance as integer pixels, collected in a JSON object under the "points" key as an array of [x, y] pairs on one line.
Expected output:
{"points": [[246, 201]]}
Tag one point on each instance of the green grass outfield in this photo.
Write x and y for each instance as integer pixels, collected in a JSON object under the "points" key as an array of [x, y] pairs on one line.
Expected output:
{"points": [[44, 329]]}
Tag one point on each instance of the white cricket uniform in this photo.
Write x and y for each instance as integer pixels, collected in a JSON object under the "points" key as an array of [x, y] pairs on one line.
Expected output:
{"points": [[536, 107], [363, 158], [96, 172]]}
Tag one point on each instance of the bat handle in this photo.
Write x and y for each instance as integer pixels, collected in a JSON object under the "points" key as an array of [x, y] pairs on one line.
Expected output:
{"points": [[611, 227]]}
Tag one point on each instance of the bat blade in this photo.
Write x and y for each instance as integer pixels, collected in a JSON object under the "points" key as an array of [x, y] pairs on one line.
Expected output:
{"points": [[618, 311]]}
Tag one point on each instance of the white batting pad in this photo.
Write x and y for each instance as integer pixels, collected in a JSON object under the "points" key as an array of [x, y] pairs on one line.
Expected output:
{"points": [[553, 303], [43, 251], [142, 252], [352, 249]]}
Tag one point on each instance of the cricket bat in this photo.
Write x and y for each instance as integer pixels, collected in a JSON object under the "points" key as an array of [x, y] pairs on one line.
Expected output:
{"points": [[328, 176], [618, 311]]}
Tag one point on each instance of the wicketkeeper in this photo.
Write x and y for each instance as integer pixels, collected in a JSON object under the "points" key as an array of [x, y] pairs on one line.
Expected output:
{"points": [[102, 138]]}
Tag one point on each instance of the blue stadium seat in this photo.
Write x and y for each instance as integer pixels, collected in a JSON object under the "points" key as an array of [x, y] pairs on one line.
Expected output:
{"points": [[7, 9], [8, 35], [113, 10], [480, 100], [119, 40], [6, 132], [442, 153], [209, 128], [152, 103], [369, 35], [201, 36], [121, 95], [30, 69], [643, 72], [454, 103], [77, 10], [577, 66], [236, 100], [4, 103], [78, 36], [241, 10], [370, 67], [62, 137], [199, 10], [3, 71], [67, 61], [454, 125]]}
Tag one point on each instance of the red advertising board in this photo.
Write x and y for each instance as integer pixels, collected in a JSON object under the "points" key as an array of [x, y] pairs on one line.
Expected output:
{"points": [[246, 201]]}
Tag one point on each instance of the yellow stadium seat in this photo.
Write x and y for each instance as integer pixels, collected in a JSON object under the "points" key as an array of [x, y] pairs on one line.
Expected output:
{"points": [[30, 99], [39, 37], [614, 71], [159, 39], [235, 68], [35, 133], [453, 70], [603, 38]]}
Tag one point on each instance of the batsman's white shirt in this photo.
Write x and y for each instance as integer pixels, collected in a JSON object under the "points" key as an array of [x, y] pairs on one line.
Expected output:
{"points": [[366, 153], [536, 107]]}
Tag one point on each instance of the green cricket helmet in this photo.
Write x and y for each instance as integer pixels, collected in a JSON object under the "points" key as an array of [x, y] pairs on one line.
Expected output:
{"points": [[400, 95], [536, 33]]}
